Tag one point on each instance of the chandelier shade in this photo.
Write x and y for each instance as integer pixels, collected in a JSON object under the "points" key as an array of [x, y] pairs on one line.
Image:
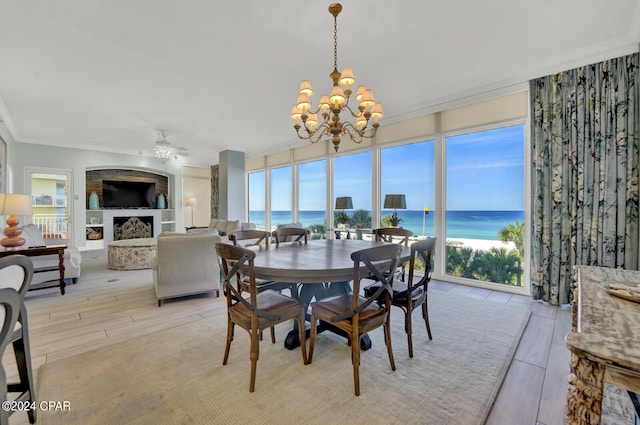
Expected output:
{"points": [[327, 121]]}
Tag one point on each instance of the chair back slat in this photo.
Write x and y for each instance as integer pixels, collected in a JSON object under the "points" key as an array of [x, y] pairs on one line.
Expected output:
{"points": [[424, 250], [16, 271], [393, 235], [10, 302], [249, 238], [291, 234]]}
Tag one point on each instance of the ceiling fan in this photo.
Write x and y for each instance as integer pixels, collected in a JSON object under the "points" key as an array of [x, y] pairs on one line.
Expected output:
{"points": [[164, 150]]}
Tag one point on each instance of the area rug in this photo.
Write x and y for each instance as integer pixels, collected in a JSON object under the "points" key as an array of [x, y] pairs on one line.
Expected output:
{"points": [[176, 376]]}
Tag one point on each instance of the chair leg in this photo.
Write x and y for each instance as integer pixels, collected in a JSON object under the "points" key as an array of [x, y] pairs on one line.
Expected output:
{"points": [[230, 326], [273, 334], [387, 340], [255, 351], [312, 335], [302, 337], [355, 360], [22, 351], [425, 314], [4, 413], [23, 362], [408, 330]]}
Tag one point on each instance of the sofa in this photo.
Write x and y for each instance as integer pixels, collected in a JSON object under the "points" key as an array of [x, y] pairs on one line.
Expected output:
{"points": [[185, 264], [72, 258], [222, 227]]}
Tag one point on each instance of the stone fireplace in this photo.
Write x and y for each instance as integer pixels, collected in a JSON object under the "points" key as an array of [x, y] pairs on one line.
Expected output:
{"points": [[132, 227], [149, 219]]}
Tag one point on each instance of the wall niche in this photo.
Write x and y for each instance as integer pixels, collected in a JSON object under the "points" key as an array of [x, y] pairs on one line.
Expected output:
{"points": [[94, 180]]}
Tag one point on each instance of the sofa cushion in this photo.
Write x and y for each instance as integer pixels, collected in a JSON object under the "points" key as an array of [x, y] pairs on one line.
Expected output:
{"points": [[203, 231], [32, 236], [226, 227], [287, 225]]}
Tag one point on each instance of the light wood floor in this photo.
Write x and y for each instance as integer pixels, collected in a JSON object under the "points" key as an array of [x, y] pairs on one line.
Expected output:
{"points": [[108, 307]]}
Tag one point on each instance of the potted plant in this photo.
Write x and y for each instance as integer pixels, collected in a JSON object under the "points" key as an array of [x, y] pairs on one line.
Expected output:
{"points": [[342, 218]]}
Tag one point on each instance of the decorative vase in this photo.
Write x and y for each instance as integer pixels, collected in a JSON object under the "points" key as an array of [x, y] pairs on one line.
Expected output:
{"points": [[94, 201], [161, 202]]}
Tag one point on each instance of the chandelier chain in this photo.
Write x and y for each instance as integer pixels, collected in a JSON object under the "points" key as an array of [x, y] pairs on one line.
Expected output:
{"points": [[335, 42]]}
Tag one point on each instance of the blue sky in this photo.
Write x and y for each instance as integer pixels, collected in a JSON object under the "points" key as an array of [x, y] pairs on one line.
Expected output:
{"points": [[484, 171]]}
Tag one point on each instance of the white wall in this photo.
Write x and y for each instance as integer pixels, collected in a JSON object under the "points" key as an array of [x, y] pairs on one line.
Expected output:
{"points": [[196, 183]]}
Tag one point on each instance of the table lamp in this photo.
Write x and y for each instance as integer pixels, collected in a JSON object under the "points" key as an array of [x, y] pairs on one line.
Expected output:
{"points": [[343, 203], [13, 204], [192, 202], [396, 202]]}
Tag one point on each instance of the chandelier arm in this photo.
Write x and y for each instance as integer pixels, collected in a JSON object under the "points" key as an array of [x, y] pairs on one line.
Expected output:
{"points": [[353, 114], [323, 128], [353, 133], [315, 135], [350, 129]]}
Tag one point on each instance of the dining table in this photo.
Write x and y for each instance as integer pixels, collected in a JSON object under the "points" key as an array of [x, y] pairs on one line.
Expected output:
{"points": [[321, 267]]}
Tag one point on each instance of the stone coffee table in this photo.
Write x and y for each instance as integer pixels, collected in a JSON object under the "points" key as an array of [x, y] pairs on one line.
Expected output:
{"points": [[130, 254]]}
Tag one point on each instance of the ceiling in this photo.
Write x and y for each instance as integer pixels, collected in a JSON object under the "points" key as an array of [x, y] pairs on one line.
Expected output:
{"points": [[105, 75]]}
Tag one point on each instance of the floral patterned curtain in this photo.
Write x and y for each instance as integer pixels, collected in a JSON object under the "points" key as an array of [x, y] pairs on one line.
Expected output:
{"points": [[584, 139]]}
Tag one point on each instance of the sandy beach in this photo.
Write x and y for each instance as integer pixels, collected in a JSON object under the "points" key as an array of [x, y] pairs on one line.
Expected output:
{"points": [[481, 244]]}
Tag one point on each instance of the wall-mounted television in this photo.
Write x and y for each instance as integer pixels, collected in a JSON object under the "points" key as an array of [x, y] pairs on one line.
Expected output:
{"points": [[128, 194]]}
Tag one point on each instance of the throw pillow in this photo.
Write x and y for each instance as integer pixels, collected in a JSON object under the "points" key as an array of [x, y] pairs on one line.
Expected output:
{"points": [[232, 226], [32, 236], [221, 225]]}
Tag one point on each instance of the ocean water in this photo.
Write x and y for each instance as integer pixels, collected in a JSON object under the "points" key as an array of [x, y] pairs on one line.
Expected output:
{"points": [[460, 224]]}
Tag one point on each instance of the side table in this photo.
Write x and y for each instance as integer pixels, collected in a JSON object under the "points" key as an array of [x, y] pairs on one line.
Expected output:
{"points": [[38, 251], [604, 342]]}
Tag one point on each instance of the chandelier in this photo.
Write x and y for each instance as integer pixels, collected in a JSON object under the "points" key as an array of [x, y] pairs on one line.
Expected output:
{"points": [[331, 106]]}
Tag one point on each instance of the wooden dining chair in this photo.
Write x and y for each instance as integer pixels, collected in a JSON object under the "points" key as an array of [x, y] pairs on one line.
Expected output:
{"points": [[355, 314], [16, 272], [251, 238], [9, 311], [290, 234], [394, 235], [409, 295], [262, 310], [255, 239]]}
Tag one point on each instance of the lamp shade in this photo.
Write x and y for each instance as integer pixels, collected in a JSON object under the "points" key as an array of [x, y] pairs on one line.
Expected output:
{"points": [[15, 204], [395, 201], [192, 202], [344, 203]]}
